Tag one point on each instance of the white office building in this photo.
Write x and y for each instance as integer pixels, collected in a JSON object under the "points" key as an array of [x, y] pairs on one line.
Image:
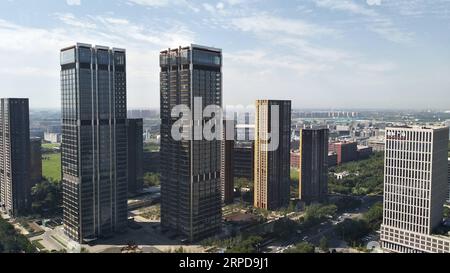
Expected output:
{"points": [[415, 189]]}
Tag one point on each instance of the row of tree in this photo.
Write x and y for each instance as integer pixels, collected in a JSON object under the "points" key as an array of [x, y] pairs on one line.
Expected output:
{"points": [[13, 242]]}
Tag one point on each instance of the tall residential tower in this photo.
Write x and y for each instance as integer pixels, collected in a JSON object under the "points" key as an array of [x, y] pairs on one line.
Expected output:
{"points": [[94, 141], [190, 169], [272, 154], [313, 165], [14, 156]]}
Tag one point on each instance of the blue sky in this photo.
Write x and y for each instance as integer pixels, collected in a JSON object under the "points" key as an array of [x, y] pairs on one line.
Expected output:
{"points": [[318, 53]]}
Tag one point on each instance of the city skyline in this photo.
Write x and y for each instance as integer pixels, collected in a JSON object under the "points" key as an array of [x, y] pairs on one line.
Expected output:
{"points": [[319, 54]]}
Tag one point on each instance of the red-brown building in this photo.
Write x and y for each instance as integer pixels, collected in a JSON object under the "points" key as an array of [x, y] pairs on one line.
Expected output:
{"points": [[295, 159], [346, 151]]}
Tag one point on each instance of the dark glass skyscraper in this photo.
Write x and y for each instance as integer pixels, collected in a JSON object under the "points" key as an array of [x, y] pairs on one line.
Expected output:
{"points": [[190, 169], [94, 141], [135, 131], [227, 163], [313, 165], [14, 156], [36, 161]]}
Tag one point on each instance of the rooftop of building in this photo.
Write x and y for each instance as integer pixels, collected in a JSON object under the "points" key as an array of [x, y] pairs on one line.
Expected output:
{"points": [[418, 127]]}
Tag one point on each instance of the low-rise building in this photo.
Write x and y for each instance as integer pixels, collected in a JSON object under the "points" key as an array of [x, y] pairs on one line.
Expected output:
{"points": [[52, 137]]}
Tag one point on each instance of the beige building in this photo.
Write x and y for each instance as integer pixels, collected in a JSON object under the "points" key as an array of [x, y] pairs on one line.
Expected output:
{"points": [[415, 189], [272, 154]]}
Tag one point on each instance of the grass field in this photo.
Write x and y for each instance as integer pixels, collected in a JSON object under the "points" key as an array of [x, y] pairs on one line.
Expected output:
{"points": [[50, 145], [51, 166]]}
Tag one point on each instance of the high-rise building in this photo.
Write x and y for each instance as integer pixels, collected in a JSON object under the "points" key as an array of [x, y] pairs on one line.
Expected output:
{"points": [[94, 141], [415, 189], [227, 163], [244, 154], [36, 161], [135, 132], [448, 197], [190, 168], [272, 154], [313, 174], [14, 156]]}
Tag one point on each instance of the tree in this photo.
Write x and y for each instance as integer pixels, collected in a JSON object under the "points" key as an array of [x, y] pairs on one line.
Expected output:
{"points": [[316, 213], [374, 216], [46, 197], [249, 245], [446, 212], [13, 242], [352, 231], [323, 244], [152, 179], [304, 247]]}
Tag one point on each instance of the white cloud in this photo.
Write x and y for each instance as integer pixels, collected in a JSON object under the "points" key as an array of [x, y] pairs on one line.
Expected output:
{"points": [[266, 23], [73, 2], [377, 23], [151, 3], [373, 2], [165, 3]]}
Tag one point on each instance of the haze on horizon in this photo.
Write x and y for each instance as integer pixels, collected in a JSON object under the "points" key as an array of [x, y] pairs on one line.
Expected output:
{"points": [[327, 54]]}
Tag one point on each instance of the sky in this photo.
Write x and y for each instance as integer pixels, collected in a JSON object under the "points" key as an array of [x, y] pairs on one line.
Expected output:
{"points": [[328, 54]]}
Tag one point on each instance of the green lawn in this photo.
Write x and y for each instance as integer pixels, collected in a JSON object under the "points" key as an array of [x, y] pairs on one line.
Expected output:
{"points": [[151, 147], [294, 174], [51, 166], [50, 145]]}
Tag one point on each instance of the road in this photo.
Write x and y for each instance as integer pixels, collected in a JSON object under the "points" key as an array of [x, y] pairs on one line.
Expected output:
{"points": [[315, 234]]}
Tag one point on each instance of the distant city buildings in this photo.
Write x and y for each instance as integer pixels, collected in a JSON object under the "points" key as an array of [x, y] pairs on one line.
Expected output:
{"points": [[135, 133], [295, 160], [94, 141], [272, 158], [15, 181], [35, 161], [313, 175], [377, 144], [52, 137], [416, 188], [190, 169]]}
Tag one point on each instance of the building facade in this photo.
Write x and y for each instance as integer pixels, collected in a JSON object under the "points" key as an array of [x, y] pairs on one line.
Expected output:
{"points": [[135, 133], [227, 164], [272, 157], [295, 159], [190, 169], [415, 189], [35, 161], [94, 141], [448, 197], [244, 154], [346, 151], [313, 171], [15, 182], [52, 137]]}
